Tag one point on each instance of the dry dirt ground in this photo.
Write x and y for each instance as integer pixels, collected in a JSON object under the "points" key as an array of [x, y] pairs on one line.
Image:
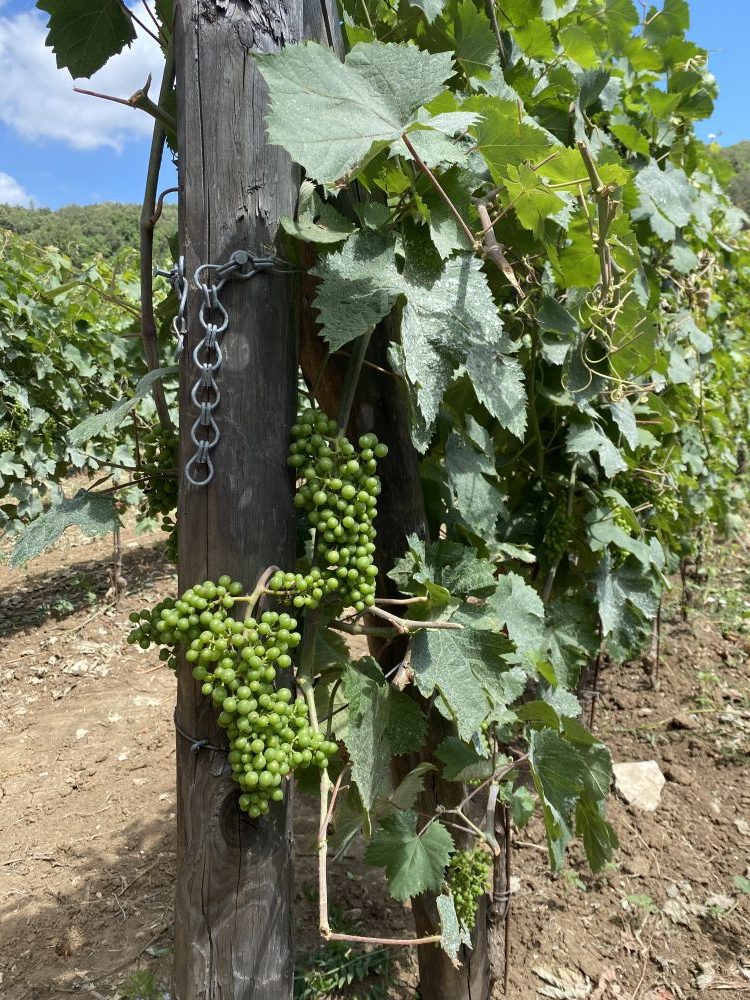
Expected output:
{"points": [[87, 808]]}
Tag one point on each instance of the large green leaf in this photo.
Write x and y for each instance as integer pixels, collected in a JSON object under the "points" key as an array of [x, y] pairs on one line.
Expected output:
{"points": [[558, 774], [84, 34], [360, 285], [407, 726], [517, 607], [99, 423], [470, 668], [330, 115], [413, 862], [453, 934], [366, 690], [451, 323], [666, 199], [503, 136], [92, 513], [478, 501]]}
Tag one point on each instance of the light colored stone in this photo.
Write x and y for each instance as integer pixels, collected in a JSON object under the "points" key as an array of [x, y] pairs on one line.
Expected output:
{"points": [[640, 783]]}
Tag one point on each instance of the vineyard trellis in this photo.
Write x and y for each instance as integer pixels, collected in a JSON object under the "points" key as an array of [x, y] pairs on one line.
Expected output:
{"points": [[512, 262]]}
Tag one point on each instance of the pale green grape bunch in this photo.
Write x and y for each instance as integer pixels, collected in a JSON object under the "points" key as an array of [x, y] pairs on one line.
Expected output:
{"points": [[338, 492], [559, 534], [160, 450], [467, 879], [17, 420], [237, 662]]}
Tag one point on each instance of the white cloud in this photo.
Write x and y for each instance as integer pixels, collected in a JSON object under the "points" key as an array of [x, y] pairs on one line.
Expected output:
{"points": [[11, 192], [38, 99]]}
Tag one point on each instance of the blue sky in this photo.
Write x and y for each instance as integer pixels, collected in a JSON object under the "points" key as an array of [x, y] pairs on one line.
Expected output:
{"points": [[57, 147]]}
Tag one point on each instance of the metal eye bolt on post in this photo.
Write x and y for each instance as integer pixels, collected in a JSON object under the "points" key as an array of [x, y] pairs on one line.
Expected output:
{"points": [[207, 355]]}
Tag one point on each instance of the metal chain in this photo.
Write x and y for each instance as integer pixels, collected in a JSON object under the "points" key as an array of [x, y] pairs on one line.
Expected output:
{"points": [[207, 354]]}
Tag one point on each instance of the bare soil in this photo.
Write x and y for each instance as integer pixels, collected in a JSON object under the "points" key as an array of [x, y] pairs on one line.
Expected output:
{"points": [[87, 807]]}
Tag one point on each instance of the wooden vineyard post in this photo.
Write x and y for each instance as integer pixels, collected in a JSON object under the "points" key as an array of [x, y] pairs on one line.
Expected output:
{"points": [[233, 908]]}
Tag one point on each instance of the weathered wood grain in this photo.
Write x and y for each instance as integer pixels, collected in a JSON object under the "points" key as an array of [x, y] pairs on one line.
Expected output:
{"points": [[233, 908]]}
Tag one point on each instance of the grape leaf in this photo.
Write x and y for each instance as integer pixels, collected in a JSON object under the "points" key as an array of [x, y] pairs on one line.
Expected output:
{"points": [[469, 668], [330, 116], [430, 8], [99, 423], [503, 139], [517, 606], [94, 514], [367, 692], [413, 862], [84, 34], [599, 839], [450, 322], [462, 762], [407, 725], [582, 440], [558, 774], [622, 589], [475, 46], [360, 286], [317, 221], [631, 137], [478, 501], [453, 934], [666, 199], [409, 789]]}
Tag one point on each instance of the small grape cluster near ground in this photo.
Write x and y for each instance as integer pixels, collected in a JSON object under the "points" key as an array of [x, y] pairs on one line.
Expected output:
{"points": [[87, 809]]}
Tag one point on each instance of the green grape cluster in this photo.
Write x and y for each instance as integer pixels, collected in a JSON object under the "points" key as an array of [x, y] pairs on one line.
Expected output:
{"points": [[338, 492], [237, 664], [620, 517], [468, 872], [558, 535], [666, 502], [17, 420], [160, 450], [636, 490]]}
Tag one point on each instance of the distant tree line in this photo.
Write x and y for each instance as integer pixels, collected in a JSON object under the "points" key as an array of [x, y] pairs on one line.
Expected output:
{"points": [[82, 231], [739, 186]]}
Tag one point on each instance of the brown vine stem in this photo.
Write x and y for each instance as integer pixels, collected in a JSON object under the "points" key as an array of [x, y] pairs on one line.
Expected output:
{"points": [[401, 600], [408, 624], [134, 17], [508, 830], [395, 942], [258, 591], [606, 211], [351, 628], [139, 100], [489, 7], [441, 191], [494, 251], [147, 224]]}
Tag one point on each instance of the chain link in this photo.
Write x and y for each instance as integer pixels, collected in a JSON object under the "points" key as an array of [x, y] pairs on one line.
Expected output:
{"points": [[207, 354]]}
